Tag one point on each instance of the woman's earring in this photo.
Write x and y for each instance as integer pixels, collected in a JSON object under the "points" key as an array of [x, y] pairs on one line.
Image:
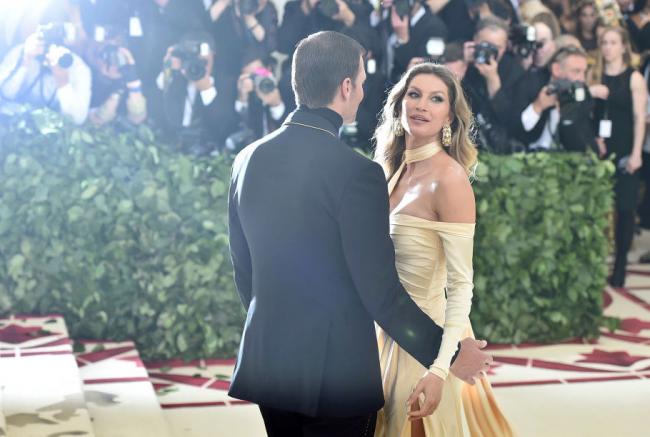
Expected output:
{"points": [[398, 129], [446, 135]]}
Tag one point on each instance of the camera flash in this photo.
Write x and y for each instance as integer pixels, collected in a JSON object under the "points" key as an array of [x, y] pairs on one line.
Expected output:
{"points": [[580, 94], [70, 31], [205, 49], [435, 47], [531, 33], [372, 66], [100, 34]]}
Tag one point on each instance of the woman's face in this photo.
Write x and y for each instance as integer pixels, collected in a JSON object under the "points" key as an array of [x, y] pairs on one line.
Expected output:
{"points": [[612, 46], [547, 44], [425, 107], [588, 18]]}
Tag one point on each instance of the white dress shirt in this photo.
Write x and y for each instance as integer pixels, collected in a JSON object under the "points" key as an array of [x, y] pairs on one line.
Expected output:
{"points": [[529, 118], [73, 99]]}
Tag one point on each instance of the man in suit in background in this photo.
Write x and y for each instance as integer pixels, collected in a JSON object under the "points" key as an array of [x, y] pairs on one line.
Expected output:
{"points": [[315, 267]]}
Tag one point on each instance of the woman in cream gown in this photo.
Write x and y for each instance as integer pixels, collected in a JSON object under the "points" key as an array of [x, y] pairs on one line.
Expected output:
{"points": [[424, 146]]}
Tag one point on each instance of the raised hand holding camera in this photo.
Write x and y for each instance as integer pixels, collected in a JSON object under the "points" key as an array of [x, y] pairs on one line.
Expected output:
{"points": [[400, 26]]}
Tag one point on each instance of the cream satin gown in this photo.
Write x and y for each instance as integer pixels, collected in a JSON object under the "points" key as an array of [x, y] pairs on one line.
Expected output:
{"points": [[430, 256]]}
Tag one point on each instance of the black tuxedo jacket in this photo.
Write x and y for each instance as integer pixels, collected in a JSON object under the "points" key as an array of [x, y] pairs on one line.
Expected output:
{"points": [[214, 122], [315, 267]]}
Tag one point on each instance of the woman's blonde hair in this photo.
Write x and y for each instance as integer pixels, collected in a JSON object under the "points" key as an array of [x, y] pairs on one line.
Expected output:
{"points": [[390, 147], [630, 59]]}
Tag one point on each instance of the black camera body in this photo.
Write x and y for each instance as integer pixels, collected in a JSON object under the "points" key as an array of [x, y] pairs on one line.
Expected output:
{"points": [[484, 52], [54, 34], [329, 8], [523, 39], [248, 7], [263, 83], [567, 90], [112, 56], [192, 63]]}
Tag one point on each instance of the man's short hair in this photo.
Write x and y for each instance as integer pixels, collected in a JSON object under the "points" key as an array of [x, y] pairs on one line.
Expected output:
{"points": [[561, 54], [320, 63], [453, 52], [491, 23]]}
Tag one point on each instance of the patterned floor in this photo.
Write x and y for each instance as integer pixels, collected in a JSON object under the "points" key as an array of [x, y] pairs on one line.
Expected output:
{"points": [[573, 389]]}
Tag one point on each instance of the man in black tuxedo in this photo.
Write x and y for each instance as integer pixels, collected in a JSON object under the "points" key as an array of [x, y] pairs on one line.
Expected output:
{"points": [[315, 267], [560, 117]]}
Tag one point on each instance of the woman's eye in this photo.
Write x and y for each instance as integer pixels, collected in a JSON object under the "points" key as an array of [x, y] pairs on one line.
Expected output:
{"points": [[437, 99], [413, 94]]}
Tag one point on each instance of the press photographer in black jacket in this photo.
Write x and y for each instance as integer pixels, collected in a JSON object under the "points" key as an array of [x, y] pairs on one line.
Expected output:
{"points": [[561, 116], [492, 82], [198, 98]]}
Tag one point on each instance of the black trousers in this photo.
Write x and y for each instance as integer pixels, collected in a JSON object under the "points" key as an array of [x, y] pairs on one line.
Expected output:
{"points": [[626, 193], [287, 424]]}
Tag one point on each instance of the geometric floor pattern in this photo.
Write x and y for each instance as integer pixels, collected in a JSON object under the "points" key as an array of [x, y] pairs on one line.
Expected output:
{"points": [[571, 389]]}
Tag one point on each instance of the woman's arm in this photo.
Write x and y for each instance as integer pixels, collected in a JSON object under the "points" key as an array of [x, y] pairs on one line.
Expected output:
{"points": [[639, 102], [454, 204]]}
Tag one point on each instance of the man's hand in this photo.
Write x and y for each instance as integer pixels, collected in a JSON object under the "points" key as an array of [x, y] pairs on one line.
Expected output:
{"points": [[634, 163], [431, 387], [345, 14], [544, 100], [400, 26], [174, 62], [599, 91], [33, 48], [245, 86], [471, 360]]}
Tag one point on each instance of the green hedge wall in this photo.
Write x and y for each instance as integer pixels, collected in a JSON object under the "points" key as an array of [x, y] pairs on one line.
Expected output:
{"points": [[127, 238], [541, 246], [124, 236]]}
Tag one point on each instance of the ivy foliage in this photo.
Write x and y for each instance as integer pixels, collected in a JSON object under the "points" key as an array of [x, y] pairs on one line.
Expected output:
{"points": [[127, 238], [123, 235], [541, 246]]}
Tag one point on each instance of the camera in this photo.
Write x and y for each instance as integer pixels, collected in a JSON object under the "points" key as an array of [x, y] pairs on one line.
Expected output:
{"points": [[113, 57], [524, 40], [403, 7], [484, 52], [248, 7], [264, 81], [54, 34], [567, 90], [191, 55], [329, 8]]}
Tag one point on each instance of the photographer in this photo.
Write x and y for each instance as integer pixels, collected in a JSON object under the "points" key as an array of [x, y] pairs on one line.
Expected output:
{"points": [[412, 29], [492, 83], [258, 103], [44, 73], [560, 117], [117, 89], [198, 100], [304, 17], [239, 26]]}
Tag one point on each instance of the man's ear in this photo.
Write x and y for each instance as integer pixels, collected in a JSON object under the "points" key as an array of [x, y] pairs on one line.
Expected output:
{"points": [[346, 88], [555, 69]]}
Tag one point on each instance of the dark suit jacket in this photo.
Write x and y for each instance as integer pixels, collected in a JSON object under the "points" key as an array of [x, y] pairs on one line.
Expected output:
{"points": [[315, 267], [212, 123]]}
